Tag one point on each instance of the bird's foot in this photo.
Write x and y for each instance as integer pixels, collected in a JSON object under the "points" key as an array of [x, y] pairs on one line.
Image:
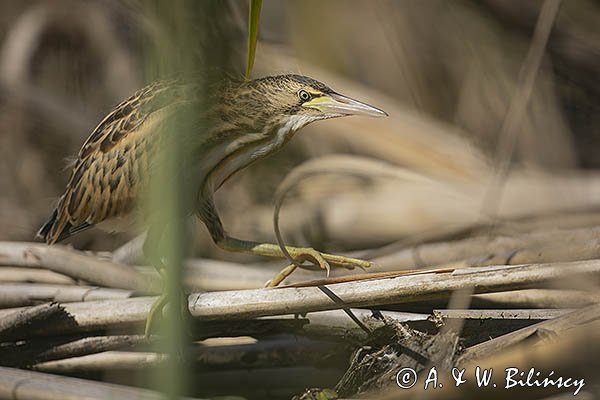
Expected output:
{"points": [[156, 311], [281, 275], [154, 314], [322, 260]]}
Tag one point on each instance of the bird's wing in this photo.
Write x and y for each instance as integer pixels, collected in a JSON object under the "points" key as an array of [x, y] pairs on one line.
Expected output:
{"points": [[105, 179]]}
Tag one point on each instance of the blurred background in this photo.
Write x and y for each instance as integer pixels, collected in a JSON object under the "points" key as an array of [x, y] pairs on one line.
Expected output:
{"points": [[446, 73]]}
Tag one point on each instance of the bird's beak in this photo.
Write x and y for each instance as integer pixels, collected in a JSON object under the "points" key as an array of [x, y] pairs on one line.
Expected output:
{"points": [[340, 105]]}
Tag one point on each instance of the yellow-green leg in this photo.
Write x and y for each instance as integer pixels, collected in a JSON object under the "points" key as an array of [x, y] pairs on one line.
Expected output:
{"points": [[281, 275], [151, 251], [155, 314], [323, 260]]}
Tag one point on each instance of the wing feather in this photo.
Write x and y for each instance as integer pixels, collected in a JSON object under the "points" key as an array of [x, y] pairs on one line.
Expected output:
{"points": [[105, 179]]}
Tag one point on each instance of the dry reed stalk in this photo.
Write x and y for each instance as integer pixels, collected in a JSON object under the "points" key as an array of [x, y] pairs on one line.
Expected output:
{"points": [[580, 344], [544, 245], [17, 319], [229, 305], [75, 264], [534, 314], [392, 209], [23, 294], [537, 298], [103, 361], [28, 353], [20, 384], [511, 127], [267, 353], [558, 326], [333, 326], [33, 275]]}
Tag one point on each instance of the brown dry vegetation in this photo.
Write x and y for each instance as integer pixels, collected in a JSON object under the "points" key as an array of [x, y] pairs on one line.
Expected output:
{"points": [[489, 159]]}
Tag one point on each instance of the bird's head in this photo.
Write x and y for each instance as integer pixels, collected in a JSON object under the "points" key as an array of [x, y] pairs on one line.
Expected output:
{"points": [[296, 100]]}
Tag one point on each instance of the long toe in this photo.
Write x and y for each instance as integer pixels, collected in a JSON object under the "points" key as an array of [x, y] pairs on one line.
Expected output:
{"points": [[154, 314], [314, 256], [281, 275], [346, 262]]}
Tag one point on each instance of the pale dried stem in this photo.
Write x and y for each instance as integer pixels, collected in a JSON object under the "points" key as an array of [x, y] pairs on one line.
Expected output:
{"points": [[508, 136], [16, 319], [21, 384], [75, 264], [547, 245], [33, 275], [229, 305], [580, 344], [24, 294], [557, 326]]}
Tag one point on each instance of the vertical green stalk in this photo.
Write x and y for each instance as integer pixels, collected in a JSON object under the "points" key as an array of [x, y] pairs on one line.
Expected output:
{"points": [[194, 44], [254, 16], [171, 58], [173, 326]]}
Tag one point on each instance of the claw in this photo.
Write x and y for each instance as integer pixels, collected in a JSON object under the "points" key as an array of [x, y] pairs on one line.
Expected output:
{"points": [[155, 309], [317, 258], [322, 260]]}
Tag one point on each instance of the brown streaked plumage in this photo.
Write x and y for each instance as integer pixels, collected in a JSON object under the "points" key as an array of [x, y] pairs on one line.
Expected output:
{"points": [[107, 173], [246, 121]]}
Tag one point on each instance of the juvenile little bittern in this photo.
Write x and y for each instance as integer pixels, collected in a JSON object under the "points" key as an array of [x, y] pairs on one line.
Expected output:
{"points": [[246, 122]]}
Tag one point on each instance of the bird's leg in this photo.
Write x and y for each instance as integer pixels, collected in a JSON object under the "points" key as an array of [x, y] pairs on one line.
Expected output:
{"points": [[152, 252], [323, 260], [208, 213], [300, 254]]}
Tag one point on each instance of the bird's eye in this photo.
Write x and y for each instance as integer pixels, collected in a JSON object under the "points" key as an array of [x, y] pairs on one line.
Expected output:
{"points": [[304, 95]]}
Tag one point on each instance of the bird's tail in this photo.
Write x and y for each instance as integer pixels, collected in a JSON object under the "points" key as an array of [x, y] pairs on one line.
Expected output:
{"points": [[44, 232], [58, 227]]}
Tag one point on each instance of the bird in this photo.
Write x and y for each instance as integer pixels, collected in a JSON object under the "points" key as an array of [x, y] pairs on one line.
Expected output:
{"points": [[236, 123]]}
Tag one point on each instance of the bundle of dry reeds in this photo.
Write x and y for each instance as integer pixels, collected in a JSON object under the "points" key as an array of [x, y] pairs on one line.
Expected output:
{"points": [[470, 199], [78, 314]]}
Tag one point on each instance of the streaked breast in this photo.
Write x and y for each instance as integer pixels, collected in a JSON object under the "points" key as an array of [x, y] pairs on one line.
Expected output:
{"points": [[247, 149]]}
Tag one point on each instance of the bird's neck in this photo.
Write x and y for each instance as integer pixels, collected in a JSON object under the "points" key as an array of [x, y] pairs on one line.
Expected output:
{"points": [[233, 149]]}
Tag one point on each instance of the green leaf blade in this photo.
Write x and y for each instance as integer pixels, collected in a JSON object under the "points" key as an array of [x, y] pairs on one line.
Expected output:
{"points": [[254, 16]]}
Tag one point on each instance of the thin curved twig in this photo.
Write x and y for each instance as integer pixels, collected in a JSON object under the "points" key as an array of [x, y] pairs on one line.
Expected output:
{"points": [[507, 138]]}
